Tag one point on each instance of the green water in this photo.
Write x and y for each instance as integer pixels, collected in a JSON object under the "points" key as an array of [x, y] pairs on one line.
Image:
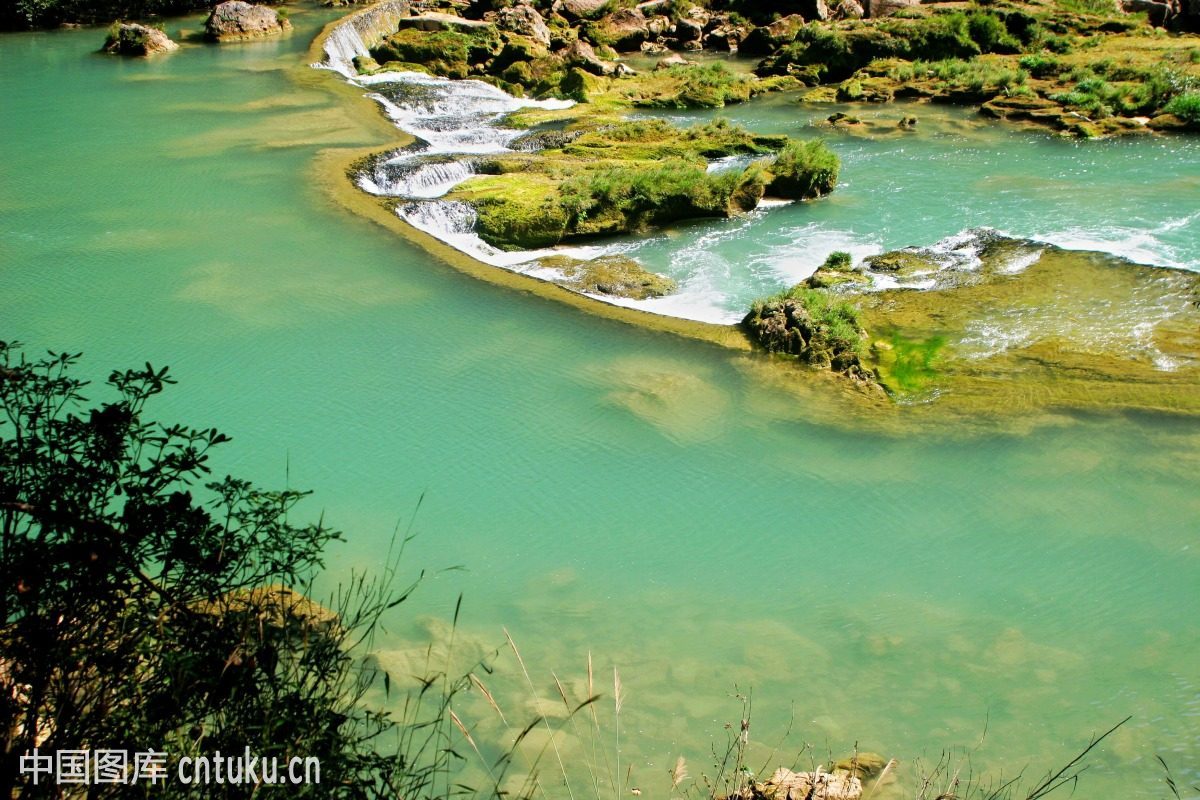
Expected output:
{"points": [[606, 489]]}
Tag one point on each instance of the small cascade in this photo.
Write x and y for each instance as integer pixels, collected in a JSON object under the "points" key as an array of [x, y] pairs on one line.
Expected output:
{"points": [[453, 222], [408, 176], [342, 46]]}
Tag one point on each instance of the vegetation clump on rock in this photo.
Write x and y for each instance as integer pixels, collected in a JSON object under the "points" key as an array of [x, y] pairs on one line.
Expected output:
{"points": [[132, 39], [812, 324], [615, 178]]}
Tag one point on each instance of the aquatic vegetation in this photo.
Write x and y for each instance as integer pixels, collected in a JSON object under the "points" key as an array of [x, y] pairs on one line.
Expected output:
{"points": [[907, 364]]}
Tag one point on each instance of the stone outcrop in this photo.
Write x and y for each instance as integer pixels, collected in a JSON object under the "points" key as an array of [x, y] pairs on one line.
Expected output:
{"points": [[769, 38], [524, 19], [236, 21], [580, 54], [437, 21], [581, 9], [132, 39]]}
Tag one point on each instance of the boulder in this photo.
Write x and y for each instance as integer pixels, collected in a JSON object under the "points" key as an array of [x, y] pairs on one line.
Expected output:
{"points": [[769, 38], [1157, 12], [626, 28], [689, 30], [724, 34], [131, 39], [435, 21], [673, 60], [849, 9], [886, 8], [582, 9], [580, 54], [235, 21], [525, 20]]}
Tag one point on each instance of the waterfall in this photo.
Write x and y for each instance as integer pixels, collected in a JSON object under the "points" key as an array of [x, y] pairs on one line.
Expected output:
{"points": [[405, 176]]}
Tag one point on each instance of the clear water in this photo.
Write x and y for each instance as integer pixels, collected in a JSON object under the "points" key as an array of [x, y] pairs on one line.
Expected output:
{"points": [[610, 490]]}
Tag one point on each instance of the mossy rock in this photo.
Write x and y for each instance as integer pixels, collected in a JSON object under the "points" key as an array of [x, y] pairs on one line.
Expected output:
{"points": [[614, 275], [900, 263]]}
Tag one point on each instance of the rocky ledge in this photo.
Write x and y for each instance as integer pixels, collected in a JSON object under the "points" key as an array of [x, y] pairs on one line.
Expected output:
{"points": [[236, 21], [986, 319]]}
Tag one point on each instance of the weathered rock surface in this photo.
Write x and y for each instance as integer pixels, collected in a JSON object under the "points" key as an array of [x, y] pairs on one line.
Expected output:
{"points": [[132, 39], [236, 20], [525, 20], [580, 54], [437, 21], [581, 9], [818, 785], [767, 39], [886, 8]]}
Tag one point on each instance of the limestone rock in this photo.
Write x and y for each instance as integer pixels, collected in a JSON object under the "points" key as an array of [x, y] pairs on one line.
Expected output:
{"points": [[673, 60], [236, 20], [132, 39], [886, 8], [525, 20], [769, 38], [583, 9], [818, 785], [436, 21], [689, 30], [580, 54], [627, 28]]}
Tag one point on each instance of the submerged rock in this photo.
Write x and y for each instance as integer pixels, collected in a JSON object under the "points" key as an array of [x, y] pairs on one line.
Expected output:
{"points": [[235, 21], [617, 276], [132, 39], [816, 785]]}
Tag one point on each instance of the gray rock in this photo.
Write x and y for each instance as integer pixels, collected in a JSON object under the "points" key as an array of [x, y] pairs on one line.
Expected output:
{"points": [[886, 8], [435, 21], [525, 20], [131, 39], [235, 21], [583, 9], [580, 54], [673, 60]]}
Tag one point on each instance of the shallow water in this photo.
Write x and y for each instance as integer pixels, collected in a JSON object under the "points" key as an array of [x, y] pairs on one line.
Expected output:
{"points": [[611, 490]]}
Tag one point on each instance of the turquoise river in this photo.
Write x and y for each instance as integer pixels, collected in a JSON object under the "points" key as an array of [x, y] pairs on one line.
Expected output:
{"points": [[606, 489]]}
